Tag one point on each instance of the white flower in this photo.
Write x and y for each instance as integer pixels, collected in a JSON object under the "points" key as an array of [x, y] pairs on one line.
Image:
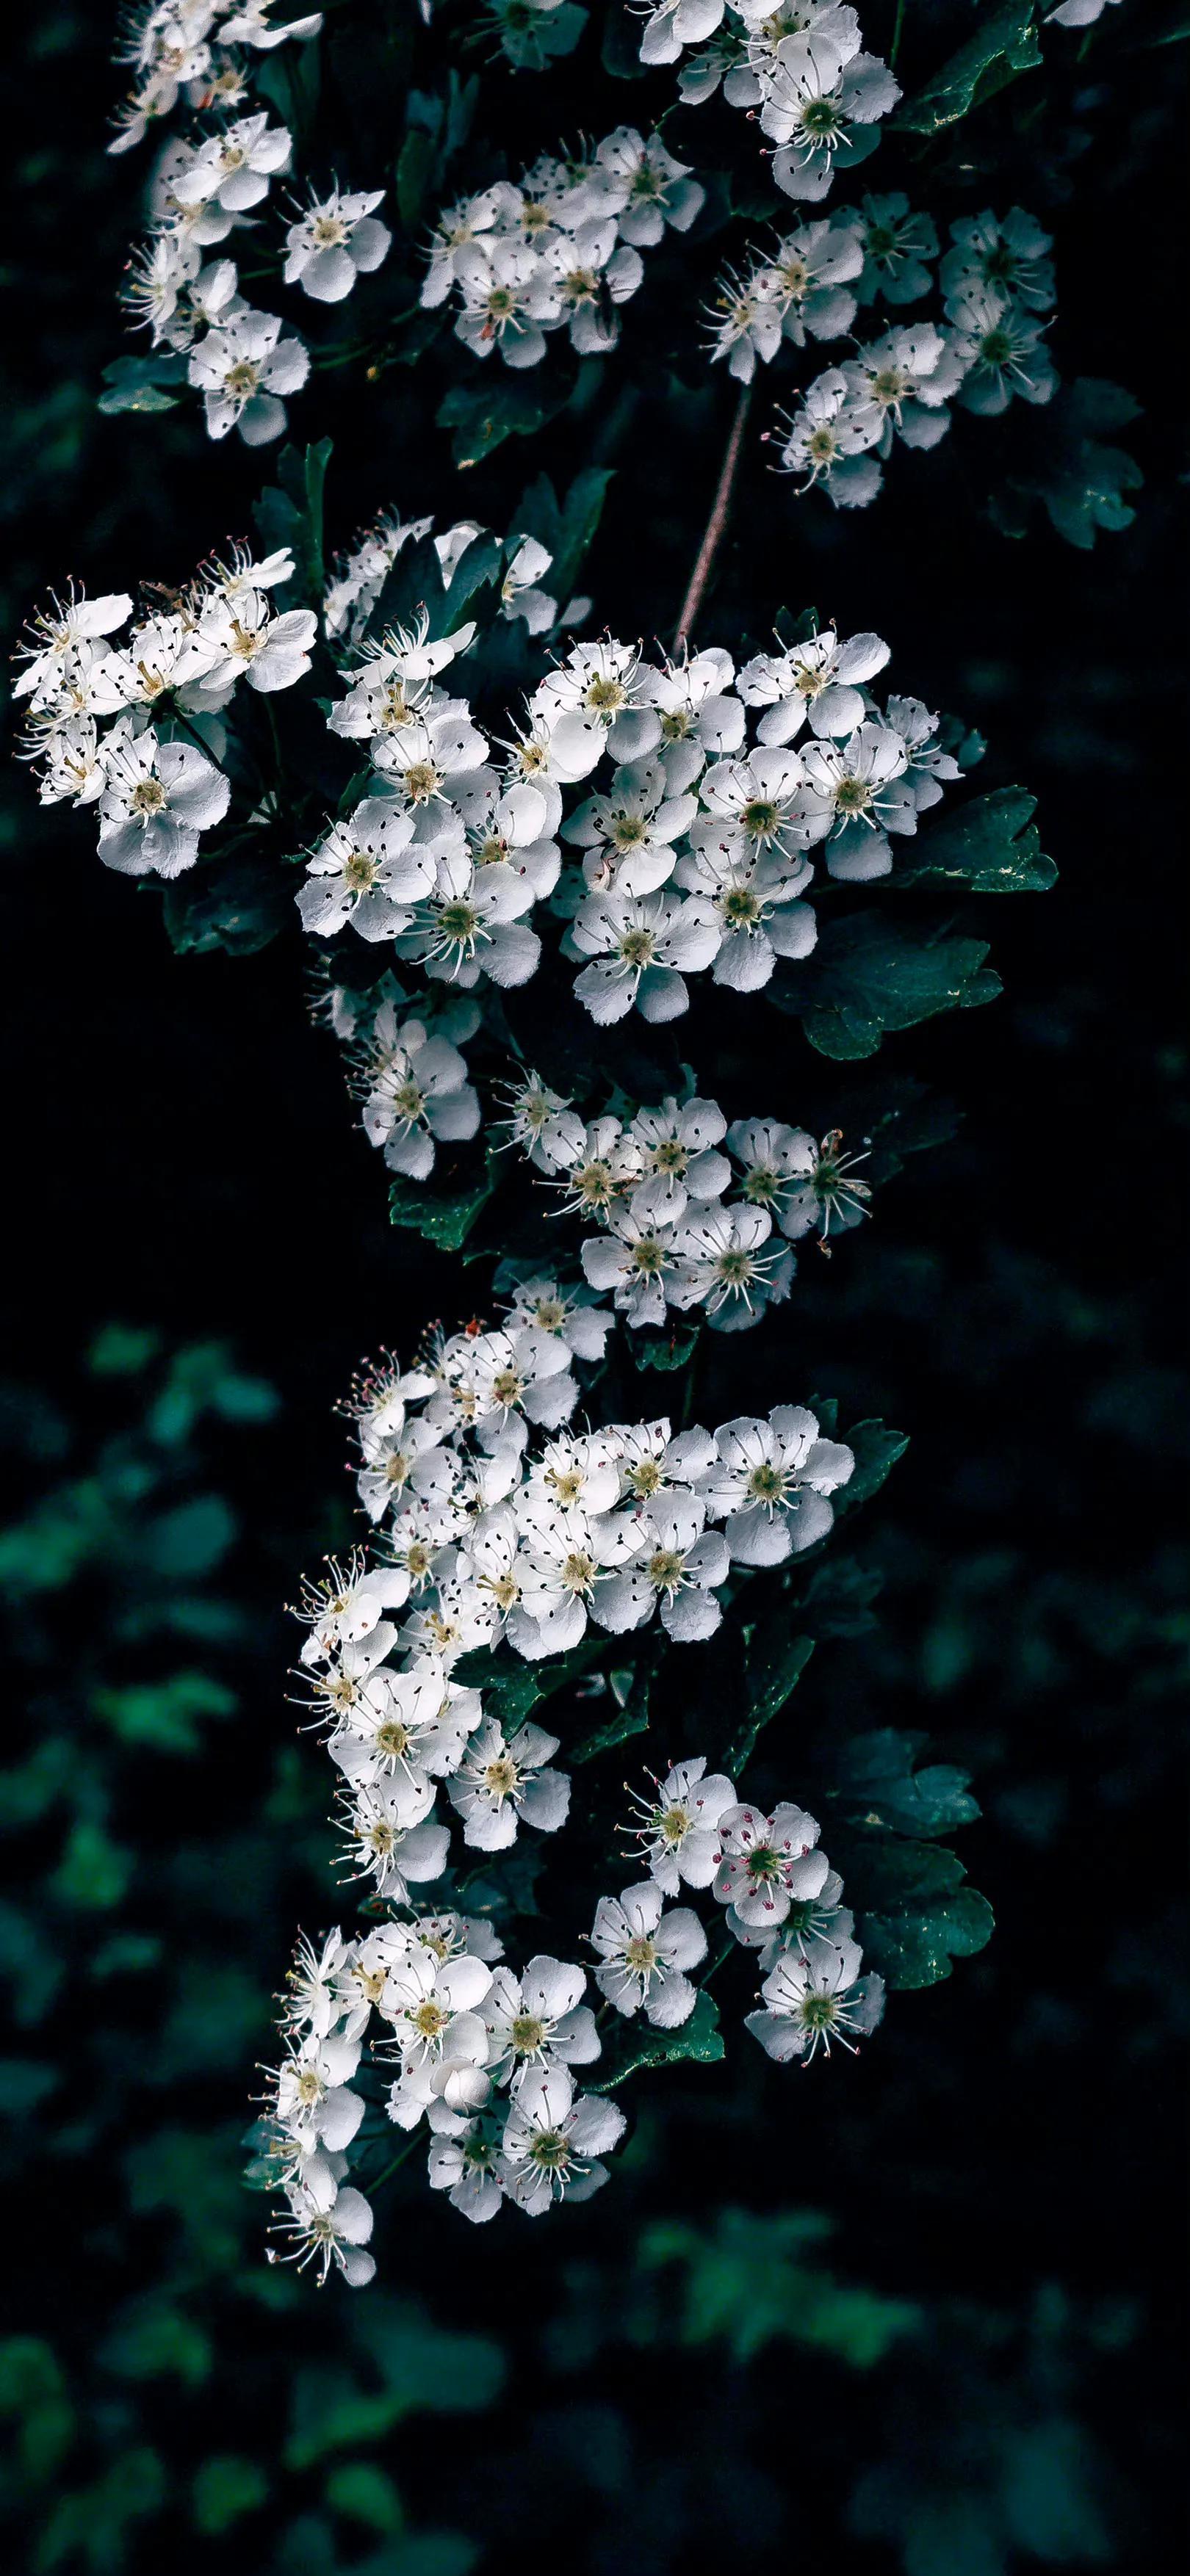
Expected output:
{"points": [[821, 678], [504, 1780], [768, 1863], [819, 88], [652, 1462], [337, 2233], [755, 901], [1001, 352], [753, 806], [699, 717], [676, 1565], [719, 1264], [465, 2166], [599, 699], [74, 767], [643, 948], [247, 642], [826, 439], [1008, 258], [242, 369], [552, 2141], [679, 1832], [487, 1379], [314, 1983], [929, 767], [459, 230], [811, 274], [903, 382], [568, 1312], [803, 1183], [897, 247], [393, 687], [677, 23], [419, 1095], [653, 189], [810, 1919], [636, 1258], [507, 294], [312, 2100], [600, 1161], [677, 1157], [347, 1604], [424, 1995], [856, 793], [157, 798], [534, 1112], [644, 1952], [233, 169], [510, 827], [582, 1471], [538, 2020], [408, 1728], [369, 871], [396, 1856], [337, 240], [814, 1999], [565, 1554], [629, 834], [468, 924], [772, 1481], [56, 633]]}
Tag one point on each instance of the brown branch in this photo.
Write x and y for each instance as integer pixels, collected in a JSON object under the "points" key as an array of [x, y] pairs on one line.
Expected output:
{"points": [[717, 522]]}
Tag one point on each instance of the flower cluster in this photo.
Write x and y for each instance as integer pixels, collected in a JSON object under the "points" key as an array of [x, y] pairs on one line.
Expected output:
{"points": [[656, 1188], [482, 2059], [196, 51], [696, 855], [801, 70], [814, 279], [114, 725], [359, 576], [998, 286], [560, 251]]}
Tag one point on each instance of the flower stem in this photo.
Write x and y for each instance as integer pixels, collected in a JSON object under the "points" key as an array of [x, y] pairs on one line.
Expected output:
{"points": [[397, 2161], [895, 47], [717, 521]]}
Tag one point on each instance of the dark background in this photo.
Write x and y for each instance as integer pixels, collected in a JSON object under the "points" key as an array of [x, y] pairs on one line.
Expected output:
{"points": [[1002, 2161]]}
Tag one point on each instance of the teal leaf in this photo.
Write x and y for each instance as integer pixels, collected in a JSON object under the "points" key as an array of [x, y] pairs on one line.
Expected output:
{"points": [[868, 975], [877, 1786], [669, 1349], [443, 1220], [144, 384], [1078, 480], [483, 416], [876, 1450], [235, 904], [1005, 45], [910, 1937], [566, 529], [162, 1715], [746, 2281], [635, 2046], [620, 48], [630, 1717], [776, 1660], [991, 845], [290, 513]]}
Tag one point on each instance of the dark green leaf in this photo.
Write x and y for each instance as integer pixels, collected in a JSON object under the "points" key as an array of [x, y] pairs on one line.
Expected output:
{"points": [[991, 844], [630, 1716], [412, 587], [1078, 480], [446, 1221], [876, 1449], [635, 2045], [236, 904], [1005, 45], [565, 530], [144, 384], [669, 1349], [415, 162], [877, 1786], [776, 1661], [868, 975], [483, 416], [620, 49], [913, 1945]]}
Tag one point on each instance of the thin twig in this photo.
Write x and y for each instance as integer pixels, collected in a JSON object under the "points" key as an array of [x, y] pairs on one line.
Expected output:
{"points": [[717, 521]]}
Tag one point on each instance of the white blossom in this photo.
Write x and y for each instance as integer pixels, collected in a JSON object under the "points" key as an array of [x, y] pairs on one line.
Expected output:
{"points": [[553, 2141], [644, 1952], [242, 368], [814, 1998], [772, 1481], [679, 1827], [503, 1781], [336, 240], [157, 799]]}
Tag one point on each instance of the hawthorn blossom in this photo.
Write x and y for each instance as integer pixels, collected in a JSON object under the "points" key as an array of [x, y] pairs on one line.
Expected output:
{"points": [[337, 2233], [335, 241], [897, 246], [553, 2141], [644, 1953], [772, 1481], [768, 1863], [233, 170], [466, 2167], [368, 872], [676, 1565], [642, 948], [820, 679], [814, 1998], [679, 1828], [1001, 352], [819, 90], [538, 2020], [242, 368], [506, 1780], [1006, 256], [719, 1263], [419, 1096], [156, 801]]}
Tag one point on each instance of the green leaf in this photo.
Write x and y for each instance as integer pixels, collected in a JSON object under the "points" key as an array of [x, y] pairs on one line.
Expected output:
{"points": [[412, 587], [483, 416], [868, 975], [876, 1450], [915, 1915], [33, 2395], [225, 2487], [416, 160], [143, 384], [161, 1715], [151, 2340], [364, 2494], [289, 512], [94, 1871], [635, 2046], [620, 48], [480, 567], [991, 845], [631, 1717], [1078, 480], [776, 1660], [668, 1349], [237, 904], [417, 2368], [747, 2282], [512, 1687], [877, 1786], [1005, 45], [566, 530], [445, 1221]]}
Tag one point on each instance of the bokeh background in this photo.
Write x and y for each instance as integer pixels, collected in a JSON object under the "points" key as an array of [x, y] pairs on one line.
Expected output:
{"points": [[920, 2312]]}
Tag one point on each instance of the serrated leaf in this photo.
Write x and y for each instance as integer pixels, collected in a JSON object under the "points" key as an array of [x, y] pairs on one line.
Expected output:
{"points": [[876, 1449], [412, 586], [1005, 45], [137, 398], [868, 975], [640, 2046], [439, 1219], [877, 1787], [1078, 480], [483, 416], [415, 161], [914, 1946], [512, 1686], [237, 906], [668, 1349], [775, 1663], [991, 845], [631, 1717]]}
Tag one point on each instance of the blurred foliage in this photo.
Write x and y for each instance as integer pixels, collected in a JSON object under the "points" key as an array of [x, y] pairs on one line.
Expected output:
{"points": [[920, 2315]]}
